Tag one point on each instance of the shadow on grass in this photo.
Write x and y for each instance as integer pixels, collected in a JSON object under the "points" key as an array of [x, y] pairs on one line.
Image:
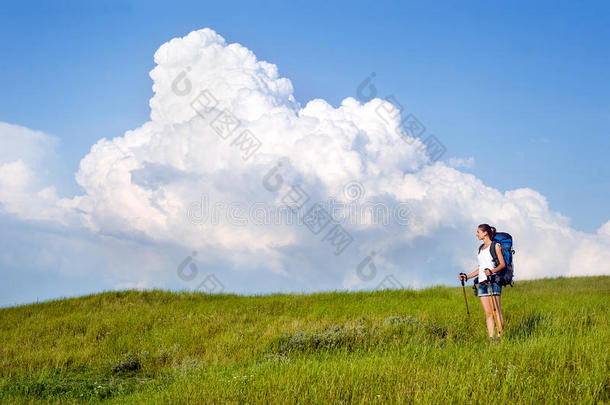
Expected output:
{"points": [[120, 377], [528, 325], [363, 335], [80, 388]]}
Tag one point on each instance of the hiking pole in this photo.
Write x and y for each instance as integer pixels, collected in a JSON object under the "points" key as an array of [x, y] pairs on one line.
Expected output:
{"points": [[466, 301], [493, 304]]}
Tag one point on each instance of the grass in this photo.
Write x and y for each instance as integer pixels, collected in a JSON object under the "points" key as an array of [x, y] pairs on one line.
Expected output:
{"points": [[397, 346]]}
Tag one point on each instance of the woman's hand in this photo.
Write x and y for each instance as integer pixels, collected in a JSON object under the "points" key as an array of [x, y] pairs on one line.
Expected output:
{"points": [[463, 277], [488, 272]]}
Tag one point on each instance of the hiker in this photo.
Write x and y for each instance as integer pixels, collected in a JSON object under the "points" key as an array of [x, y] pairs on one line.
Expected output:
{"points": [[486, 234]]}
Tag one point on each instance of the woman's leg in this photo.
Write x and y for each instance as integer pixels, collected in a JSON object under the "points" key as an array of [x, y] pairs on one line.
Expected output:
{"points": [[489, 314]]}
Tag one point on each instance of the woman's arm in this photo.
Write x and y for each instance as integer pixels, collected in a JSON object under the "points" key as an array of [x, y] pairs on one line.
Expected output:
{"points": [[471, 275]]}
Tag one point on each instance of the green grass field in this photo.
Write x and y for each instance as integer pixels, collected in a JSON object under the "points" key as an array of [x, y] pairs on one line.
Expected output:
{"points": [[392, 346]]}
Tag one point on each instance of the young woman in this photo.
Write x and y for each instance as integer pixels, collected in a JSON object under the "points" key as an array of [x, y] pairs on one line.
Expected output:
{"points": [[486, 233]]}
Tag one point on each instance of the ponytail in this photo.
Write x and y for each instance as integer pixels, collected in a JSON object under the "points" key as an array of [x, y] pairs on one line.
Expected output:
{"points": [[490, 230]]}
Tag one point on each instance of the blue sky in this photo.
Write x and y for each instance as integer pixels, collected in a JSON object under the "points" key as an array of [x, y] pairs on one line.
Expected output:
{"points": [[525, 82], [522, 88]]}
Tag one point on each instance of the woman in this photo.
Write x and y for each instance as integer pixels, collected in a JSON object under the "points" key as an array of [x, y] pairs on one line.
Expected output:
{"points": [[486, 233]]}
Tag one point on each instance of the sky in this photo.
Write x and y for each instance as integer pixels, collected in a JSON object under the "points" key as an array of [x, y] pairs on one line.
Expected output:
{"points": [[516, 94]]}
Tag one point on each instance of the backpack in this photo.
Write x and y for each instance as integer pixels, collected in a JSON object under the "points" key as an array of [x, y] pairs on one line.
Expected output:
{"points": [[504, 276]]}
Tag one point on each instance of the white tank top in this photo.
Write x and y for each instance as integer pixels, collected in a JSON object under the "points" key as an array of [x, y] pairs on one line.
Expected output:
{"points": [[485, 262]]}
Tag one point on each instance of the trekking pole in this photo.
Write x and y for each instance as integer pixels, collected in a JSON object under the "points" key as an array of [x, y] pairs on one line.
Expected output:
{"points": [[466, 301], [493, 304]]}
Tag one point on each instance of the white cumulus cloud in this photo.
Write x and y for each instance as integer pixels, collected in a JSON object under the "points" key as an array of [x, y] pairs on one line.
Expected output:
{"points": [[209, 99]]}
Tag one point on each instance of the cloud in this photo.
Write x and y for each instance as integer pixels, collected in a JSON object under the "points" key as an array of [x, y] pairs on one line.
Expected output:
{"points": [[27, 161], [32, 147], [221, 121]]}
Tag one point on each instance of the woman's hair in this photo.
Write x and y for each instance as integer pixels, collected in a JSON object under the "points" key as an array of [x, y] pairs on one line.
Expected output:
{"points": [[491, 231]]}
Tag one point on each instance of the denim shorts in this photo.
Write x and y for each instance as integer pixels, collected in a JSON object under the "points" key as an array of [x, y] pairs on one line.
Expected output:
{"points": [[484, 289]]}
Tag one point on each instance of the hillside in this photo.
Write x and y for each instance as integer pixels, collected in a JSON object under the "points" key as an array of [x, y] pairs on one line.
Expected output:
{"points": [[398, 346]]}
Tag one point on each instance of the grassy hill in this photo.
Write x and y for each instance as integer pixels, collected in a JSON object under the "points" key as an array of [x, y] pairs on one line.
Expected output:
{"points": [[398, 346]]}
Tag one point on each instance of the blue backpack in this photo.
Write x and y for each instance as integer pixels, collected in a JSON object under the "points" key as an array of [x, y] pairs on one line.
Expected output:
{"points": [[504, 276]]}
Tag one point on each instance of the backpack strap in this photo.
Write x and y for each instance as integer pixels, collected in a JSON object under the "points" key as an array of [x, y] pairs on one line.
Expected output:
{"points": [[481, 247], [492, 250]]}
